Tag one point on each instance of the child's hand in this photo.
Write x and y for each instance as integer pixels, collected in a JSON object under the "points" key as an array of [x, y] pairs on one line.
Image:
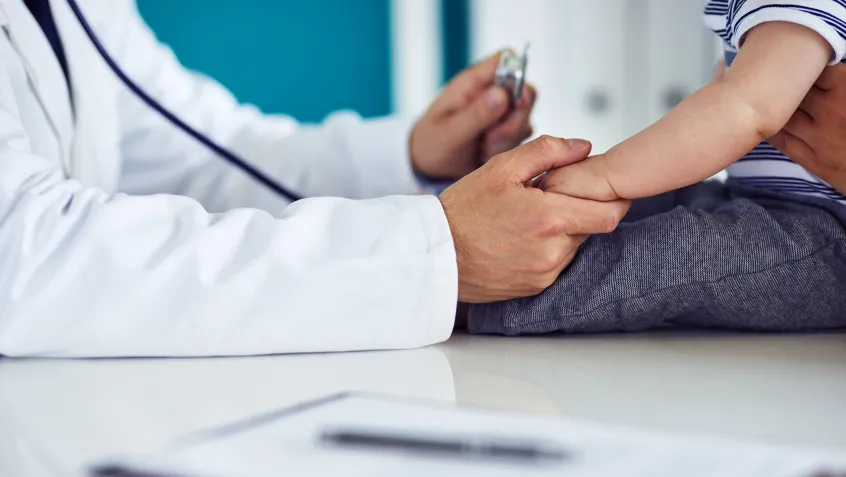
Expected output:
{"points": [[586, 180]]}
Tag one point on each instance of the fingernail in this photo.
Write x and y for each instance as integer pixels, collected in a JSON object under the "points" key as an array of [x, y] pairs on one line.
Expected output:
{"points": [[496, 98], [578, 144]]}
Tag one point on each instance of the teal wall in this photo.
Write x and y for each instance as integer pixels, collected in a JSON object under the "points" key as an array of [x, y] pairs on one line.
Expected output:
{"points": [[301, 57], [455, 16]]}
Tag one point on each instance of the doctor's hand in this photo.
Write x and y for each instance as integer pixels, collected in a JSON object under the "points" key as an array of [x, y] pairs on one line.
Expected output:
{"points": [[815, 136], [470, 122], [512, 240]]}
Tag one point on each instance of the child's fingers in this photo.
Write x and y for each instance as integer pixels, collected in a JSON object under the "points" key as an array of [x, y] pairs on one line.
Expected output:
{"points": [[580, 180]]}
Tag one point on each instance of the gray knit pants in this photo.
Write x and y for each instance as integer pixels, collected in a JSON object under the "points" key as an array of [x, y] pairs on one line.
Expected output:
{"points": [[711, 255]]}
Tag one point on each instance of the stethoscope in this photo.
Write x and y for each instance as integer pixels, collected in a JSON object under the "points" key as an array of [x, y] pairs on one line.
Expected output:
{"points": [[510, 74]]}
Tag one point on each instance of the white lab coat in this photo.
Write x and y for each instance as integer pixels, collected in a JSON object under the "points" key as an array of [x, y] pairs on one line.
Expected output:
{"points": [[120, 236]]}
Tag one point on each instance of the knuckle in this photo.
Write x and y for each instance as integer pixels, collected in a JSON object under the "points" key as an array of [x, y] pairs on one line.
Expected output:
{"points": [[573, 223], [548, 262], [482, 110], [556, 257], [461, 99], [550, 224], [551, 145], [541, 282], [570, 222]]}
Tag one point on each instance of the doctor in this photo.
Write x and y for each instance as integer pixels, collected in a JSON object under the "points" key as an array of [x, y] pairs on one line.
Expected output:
{"points": [[121, 236]]}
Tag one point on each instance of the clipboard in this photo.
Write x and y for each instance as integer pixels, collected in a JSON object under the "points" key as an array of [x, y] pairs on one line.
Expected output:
{"points": [[287, 442]]}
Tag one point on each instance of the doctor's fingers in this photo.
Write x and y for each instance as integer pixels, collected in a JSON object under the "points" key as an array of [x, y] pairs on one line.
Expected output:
{"points": [[543, 273], [815, 102], [793, 147], [800, 124], [469, 123], [524, 163], [575, 217], [832, 77], [518, 120], [797, 137], [570, 248], [466, 86], [515, 129]]}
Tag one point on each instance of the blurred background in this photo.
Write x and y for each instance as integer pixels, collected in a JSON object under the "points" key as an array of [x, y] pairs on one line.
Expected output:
{"points": [[604, 68]]}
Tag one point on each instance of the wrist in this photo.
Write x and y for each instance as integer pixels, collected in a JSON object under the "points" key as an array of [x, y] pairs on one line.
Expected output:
{"points": [[588, 180], [418, 165], [464, 289], [604, 174], [430, 184], [429, 159], [424, 174]]}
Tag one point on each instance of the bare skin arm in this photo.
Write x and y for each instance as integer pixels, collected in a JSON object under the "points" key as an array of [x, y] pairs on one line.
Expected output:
{"points": [[775, 68]]}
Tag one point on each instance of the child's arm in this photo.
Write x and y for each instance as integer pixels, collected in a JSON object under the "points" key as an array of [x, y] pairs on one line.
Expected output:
{"points": [[775, 68]]}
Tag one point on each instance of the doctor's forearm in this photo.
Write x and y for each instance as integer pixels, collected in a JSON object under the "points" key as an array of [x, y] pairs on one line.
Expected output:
{"points": [[343, 156], [157, 276]]}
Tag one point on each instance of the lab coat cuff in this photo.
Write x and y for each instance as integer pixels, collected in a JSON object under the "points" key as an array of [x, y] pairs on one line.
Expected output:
{"points": [[444, 294]]}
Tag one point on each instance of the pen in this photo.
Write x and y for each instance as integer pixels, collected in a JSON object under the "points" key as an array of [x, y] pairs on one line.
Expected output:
{"points": [[525, 451]]}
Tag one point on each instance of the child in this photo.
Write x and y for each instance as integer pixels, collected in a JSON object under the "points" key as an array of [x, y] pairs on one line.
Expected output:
{"points": [[766, 250]]}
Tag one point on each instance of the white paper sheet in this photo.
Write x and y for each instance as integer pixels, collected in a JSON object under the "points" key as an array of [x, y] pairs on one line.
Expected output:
{"points": [[287, 443]]}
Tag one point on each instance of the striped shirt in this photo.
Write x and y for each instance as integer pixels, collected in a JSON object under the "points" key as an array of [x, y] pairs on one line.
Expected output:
{"points": [[765, 166]]}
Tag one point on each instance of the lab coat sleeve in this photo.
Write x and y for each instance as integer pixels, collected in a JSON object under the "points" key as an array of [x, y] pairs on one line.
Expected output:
{"points": [[87, 274], [344, 156]]}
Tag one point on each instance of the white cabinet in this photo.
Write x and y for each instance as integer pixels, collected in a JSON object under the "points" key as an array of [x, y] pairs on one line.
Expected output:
{"points": [[681, 53], [605, 68], [593, 70]]}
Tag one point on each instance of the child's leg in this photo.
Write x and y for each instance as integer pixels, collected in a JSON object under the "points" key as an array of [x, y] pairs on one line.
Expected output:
{"points": [[730, 258]]}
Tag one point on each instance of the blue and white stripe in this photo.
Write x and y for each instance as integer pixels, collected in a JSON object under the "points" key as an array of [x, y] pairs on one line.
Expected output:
{"points": [[764, 166]]}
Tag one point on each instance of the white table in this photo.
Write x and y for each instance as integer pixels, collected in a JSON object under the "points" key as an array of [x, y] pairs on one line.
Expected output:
{"points": [[57, 415]]}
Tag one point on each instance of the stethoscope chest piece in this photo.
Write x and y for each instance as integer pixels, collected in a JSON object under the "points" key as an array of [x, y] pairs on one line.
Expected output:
{"points": [[511, 73]]}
